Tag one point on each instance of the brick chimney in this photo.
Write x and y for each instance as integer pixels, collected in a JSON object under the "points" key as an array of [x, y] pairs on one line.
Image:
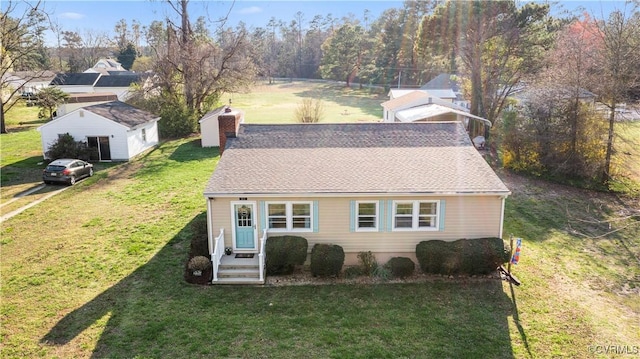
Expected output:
{"points": [[228, 124]]}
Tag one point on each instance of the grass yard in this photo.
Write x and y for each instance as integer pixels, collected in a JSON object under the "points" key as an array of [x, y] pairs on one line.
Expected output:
{"points": [[277, 102], [96, 271], [627, 158]]}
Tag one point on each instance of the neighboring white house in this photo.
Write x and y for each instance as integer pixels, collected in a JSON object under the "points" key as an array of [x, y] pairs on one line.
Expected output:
{"points": [[449, 84], [29, 81], [209, 128], [422, 106], [107, 65], [446, 95], [117, 131]]}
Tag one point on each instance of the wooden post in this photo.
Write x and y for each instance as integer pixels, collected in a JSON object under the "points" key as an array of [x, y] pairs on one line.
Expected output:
{"points": [[510, 253]]}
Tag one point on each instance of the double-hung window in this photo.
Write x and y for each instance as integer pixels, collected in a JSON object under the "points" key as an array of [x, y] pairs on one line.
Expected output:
{"points": [[415, 215], [289, 216], [367, 216]]}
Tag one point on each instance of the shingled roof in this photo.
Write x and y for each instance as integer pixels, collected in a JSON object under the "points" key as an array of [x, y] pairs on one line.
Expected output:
{"points": [[82, 79], [372, 158], [117, 80], [122, 113]]}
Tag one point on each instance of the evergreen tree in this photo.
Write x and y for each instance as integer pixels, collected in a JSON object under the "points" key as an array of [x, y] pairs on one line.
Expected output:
{"points": [[127, 56]]}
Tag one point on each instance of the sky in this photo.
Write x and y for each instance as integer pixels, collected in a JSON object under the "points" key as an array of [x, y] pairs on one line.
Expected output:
{"points": [[102, 15]]}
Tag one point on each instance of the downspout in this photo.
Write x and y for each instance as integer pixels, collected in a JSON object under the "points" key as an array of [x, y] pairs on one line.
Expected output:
{"points": [[502, 215], [210, 228]]}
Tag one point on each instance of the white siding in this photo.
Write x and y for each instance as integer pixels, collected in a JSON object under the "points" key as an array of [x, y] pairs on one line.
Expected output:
{"points": [[82, 127], [76, 88], [209, 132], [136, 144]]}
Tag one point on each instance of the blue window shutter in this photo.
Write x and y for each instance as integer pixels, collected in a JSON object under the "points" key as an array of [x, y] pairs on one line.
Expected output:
{"points": [[441, 219], [389, 215], [263, 215], [316, 215], [352, 216], [381, 216]]}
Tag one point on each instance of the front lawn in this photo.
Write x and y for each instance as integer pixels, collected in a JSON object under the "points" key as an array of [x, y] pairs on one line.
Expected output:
{"points": [[97, 271]]}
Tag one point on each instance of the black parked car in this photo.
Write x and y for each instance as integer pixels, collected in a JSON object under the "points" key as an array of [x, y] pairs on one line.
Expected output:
{"points": [[67, 171]]}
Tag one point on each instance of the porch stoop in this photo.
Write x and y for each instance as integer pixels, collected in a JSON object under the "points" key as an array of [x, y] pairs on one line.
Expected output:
{"points": [[238, 271]]}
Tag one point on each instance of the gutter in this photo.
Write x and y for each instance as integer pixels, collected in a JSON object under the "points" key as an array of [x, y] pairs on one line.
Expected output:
{"points": [[503, 194]]}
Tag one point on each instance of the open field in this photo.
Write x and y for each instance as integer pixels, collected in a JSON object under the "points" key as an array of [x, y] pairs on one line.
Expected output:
{"points": [[277, 102], [96, 271]]}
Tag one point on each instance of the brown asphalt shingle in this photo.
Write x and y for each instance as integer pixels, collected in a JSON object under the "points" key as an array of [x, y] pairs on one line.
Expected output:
{"points": [[371, 158]]}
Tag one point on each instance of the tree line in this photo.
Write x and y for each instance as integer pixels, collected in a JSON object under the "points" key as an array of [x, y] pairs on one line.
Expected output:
{"points": [[494, 48]]}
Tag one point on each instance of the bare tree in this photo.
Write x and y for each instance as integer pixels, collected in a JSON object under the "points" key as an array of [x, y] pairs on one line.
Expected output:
{"points": [[619, 55], [309, 111], [84, 49], [199, 68], [22, 44]]}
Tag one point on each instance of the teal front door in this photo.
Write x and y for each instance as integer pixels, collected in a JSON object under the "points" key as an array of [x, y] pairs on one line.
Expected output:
{"points": [[245, 226]]}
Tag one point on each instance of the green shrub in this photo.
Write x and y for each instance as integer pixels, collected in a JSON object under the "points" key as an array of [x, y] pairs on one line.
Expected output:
{"points": [[432, 256], [352, 272], [401, 267], [367, 262], [326, 260], [284, 253], [199, 238], [464, 256], [67, 147], [176, 120], [382, 272]]}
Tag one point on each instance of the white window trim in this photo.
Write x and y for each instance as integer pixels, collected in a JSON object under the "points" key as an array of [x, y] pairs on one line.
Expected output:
{"points": [[357, 217], [415, 217], [289, 216]]}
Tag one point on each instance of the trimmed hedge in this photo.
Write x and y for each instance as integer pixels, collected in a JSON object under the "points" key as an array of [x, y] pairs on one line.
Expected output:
{"points": [[284, 253], [199, 237], [401, 267], [464, 256], [326, 260]]}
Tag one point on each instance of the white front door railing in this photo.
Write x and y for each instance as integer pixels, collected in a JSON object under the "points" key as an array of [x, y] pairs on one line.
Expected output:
{"points": [[218, 252], [262, 255]]}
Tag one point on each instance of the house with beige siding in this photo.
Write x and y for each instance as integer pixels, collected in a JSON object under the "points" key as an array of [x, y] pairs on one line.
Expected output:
{"points": [[380, 187]]}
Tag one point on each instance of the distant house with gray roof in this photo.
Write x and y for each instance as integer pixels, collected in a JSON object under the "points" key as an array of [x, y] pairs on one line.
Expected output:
{"points": [[75, 82], [379, 187], [89, 82], [116, 130]]}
